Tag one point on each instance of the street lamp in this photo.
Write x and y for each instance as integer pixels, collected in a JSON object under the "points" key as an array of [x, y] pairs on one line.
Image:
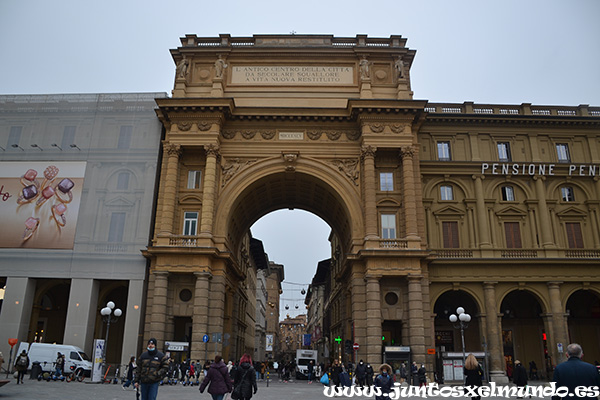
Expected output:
{"points": [[461, 322], [108, 315]]}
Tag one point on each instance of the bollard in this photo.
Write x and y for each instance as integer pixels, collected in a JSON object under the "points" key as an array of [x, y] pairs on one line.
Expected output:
{"points": [[268, 378]]}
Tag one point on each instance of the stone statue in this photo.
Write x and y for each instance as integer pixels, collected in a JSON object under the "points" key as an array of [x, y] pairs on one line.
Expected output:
{"points": [[399, 65], [182, 67], [219, 67], [364, 68]]}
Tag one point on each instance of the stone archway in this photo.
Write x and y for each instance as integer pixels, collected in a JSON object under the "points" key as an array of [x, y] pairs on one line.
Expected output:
{"points": [[583, 310]]}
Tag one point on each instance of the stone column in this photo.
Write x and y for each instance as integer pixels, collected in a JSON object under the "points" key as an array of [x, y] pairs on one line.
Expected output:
{"points": [[416, 329], [533, 228], [359, 313], [482, 215], [82, 313], [16, 312], [373, 319], [493, 327], [208, 189], [544, 215], [200, 318], [216, 313], [370, 181], [170, 180], [409, 193], [159, 306], [560, 332], [133, 318]]}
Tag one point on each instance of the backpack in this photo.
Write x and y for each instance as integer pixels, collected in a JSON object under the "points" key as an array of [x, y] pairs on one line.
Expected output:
{"points": [[22, 361]]}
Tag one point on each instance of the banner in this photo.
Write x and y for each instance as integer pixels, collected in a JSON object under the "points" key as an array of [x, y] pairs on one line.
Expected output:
{"points": [[39, 203], [97, 366], [269, 346], [307, 339]]}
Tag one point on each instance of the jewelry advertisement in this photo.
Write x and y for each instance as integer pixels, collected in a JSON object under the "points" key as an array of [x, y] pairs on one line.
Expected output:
{"points": [[39, 203]]}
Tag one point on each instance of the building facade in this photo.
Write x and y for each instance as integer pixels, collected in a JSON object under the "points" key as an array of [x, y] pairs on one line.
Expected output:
{"points": [[78, 176]]}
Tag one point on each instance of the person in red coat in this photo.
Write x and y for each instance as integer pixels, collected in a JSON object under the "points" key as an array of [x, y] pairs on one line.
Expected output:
{"points": [[218, 377]]}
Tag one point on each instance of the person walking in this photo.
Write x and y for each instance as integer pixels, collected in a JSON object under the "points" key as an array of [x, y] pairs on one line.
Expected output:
{"points": [[130, 369], [519, 375], [218, 378], [575, 372], [414, 372], [58, 372], [361, 373], [244, 383], [310, 370], [403, 373], [21, 364], [152, 367], [336, 370], [422, 373], [384, 381], [473, 373], [370, 373]]}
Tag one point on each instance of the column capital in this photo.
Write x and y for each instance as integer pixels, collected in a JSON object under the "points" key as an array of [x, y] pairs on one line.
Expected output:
{"points": [[367, 151], [372, 277], [407, 152], [477, 176], [161, 273], [172, 149], [489, 284], [414, 277], [203, 274], [554, 284], [212, 149]]}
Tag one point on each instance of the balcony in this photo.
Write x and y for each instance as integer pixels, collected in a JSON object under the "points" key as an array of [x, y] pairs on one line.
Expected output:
{"points": [[516, 253]]}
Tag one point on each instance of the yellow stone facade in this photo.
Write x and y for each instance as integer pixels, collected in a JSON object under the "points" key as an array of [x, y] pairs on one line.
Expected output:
{"points": [[329, 125]]}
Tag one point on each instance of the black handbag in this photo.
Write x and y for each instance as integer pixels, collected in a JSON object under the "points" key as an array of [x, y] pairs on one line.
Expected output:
{"points": [[237, 391]]}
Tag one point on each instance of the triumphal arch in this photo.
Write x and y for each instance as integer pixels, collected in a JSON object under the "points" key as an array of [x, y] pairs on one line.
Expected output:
{"points": [[268, 122]]}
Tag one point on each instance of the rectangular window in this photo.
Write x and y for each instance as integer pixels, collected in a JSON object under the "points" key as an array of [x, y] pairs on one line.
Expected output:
{"points": [[190, 223], [68, 137], [446, 193], [194, 179], [567, 193], [388, 226], [504, 151], [117, 227], [574, 236], [123, 181], [444, 151], [14, 136], [513, 235], [386, 181], [450, 233], [562, 151], [508, 193], [125, 137]]}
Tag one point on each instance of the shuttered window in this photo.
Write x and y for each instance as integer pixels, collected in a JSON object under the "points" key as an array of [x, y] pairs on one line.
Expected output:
{"points": [[574, 235], [450, 232], [513, 235]]}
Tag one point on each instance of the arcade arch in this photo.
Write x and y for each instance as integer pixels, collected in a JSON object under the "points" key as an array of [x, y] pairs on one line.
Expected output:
{"points": [[583, 310]]}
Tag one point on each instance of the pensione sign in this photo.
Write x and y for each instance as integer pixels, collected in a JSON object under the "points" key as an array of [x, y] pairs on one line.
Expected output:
{"points": [[540, 169]]}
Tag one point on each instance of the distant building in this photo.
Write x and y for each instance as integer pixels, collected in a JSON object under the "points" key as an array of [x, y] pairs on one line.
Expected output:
{"points": [[291, 331], [318, 292], [274, 277]]}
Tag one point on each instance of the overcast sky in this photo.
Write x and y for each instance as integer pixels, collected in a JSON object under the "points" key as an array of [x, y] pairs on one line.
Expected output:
{"points": [[508, 51]]}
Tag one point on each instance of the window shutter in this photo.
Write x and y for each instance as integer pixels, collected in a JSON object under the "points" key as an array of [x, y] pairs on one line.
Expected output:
{"points": [[513, 235], [450, 232], [574, 235]]}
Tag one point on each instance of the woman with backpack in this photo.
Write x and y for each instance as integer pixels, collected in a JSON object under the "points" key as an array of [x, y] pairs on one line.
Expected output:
{"points": [[384, 381], [21, 364], [244, 383], [218, 378]]}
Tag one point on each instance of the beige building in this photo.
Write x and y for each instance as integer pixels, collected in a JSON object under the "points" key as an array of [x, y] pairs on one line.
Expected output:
{"points": [[432, 206], [291, 331]]}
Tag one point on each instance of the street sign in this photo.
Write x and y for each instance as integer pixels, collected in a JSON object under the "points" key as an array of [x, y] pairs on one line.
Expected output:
{"points": [[355, 346], [560, 347], [205, 338], [430, 351]]}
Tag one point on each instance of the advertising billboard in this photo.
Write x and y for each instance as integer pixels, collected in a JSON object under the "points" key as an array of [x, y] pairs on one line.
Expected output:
{"points": [[39, 203]]}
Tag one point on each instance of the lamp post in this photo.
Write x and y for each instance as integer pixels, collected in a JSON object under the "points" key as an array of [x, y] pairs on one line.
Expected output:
{"points": [[108, 315], [461, 322]]}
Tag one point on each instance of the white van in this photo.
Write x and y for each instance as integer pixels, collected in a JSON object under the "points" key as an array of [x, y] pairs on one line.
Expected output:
{"points": [[46, 354]]}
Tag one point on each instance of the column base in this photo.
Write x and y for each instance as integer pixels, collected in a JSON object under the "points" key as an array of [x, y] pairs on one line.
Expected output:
{"points": [[499, 377]]}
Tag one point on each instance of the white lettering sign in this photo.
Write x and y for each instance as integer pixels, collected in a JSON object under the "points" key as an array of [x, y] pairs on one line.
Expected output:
{"points": [[291, 135], [291, 75], [538, 169]]}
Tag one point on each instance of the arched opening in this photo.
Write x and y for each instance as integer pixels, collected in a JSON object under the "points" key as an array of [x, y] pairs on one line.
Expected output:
{"points": [[524, 333], [448, 337], [49, 313], [583, 309], [117, 293]]}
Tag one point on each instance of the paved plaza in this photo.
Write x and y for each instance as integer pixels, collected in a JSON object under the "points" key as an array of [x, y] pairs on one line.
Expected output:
{"points": [[34, 390]]}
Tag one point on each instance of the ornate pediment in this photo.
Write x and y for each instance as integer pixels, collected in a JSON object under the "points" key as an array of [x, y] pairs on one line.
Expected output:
{"points": [[572, 212], [119, 201], [449, 211], [511, 212]]}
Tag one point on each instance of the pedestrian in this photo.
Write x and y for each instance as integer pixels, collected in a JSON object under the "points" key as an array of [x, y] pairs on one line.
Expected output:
{"points": [[361, 373], [414, 372], [575, 372], [58, 372], [21, 364], [422, 373], [311, 370], [519, 376], [1, 360], [533, 375], [473, 373], [152, 367], [336, 370], [244, 383], [218, 378], [370, 373], [403, 373], [345, 380], [130, 368], [384, 381]]}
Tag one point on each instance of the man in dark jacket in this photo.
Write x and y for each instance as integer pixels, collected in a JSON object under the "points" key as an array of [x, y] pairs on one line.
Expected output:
{"points": [[21, 364], [218, 377], [361, 374], [152, 367], [519, 375], [574, 372]]}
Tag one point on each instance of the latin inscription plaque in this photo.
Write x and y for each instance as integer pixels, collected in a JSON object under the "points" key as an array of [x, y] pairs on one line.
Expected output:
{"points": [[291, 135], [291, 75]]}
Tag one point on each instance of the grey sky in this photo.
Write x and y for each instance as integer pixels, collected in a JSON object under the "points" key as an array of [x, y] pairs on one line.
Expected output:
{"points": [[509, 51]]}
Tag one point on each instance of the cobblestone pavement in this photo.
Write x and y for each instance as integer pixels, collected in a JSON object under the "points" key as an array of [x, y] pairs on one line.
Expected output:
{"points": [[34, 390]]}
